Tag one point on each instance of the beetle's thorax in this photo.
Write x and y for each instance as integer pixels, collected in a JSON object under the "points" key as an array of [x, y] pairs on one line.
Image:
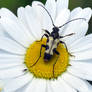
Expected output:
{"points": [[55, 33]]}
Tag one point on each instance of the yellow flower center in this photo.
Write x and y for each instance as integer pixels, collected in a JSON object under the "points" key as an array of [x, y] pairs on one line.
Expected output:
{"points": [[44, 69]]}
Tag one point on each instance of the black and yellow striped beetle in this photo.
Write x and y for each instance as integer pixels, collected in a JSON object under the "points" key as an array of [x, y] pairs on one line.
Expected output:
{"points": [[53, 40]]}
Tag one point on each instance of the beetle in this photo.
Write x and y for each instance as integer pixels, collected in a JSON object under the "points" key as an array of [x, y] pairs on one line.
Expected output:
{"points": [[53, 40]]}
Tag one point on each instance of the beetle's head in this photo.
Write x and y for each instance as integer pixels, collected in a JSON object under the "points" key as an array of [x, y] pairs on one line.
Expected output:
{"points": [[55, 29]]}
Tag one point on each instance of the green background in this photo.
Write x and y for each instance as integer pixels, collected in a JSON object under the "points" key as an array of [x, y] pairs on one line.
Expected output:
{"points": [[14, 4]]}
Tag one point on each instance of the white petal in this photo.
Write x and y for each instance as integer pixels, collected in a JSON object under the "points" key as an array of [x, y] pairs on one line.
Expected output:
{"points": [[38, 11], [11, 46], [22, 89], [85, 13], [79, 31], [2, 32], [82, 55], [76, 83], [67, 87], [60, 86], [18, 83], [4, 12], [78, 73], [81, 69], [22, 18], [5, 66], [10, 56], [51, 7], [37, 85], [62, 17], [21, 15], [32, 22], [12, 72], [84, 47], [79, 27], [48, 86], [82, 41], [42, 16], [60, 5], [17, 31], [11, 61], [56, 86], [76, 11], [26, 15]]}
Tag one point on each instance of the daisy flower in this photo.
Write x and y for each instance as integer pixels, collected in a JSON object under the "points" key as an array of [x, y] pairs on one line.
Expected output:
{"points": [[20, 48]]}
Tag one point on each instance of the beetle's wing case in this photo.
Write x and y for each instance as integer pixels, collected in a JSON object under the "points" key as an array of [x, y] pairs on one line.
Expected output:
{"points": [[56, 41], [52, 44], [49, 44]]}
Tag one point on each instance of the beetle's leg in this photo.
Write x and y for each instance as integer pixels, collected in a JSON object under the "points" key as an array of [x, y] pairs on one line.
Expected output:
{"points": [[56, 52], [46, 31], [66, 48], [40, 54], [65, 45], [67, 35], [43, 36]]}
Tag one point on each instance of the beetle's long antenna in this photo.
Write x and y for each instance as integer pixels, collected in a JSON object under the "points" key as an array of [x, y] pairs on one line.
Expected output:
{"points": [[48, 13], [71, 21]]}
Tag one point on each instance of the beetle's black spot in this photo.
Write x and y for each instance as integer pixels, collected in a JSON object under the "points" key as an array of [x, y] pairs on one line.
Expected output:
{"points": [[47, 47], [47, 40], [47, 57], [54, 49]]}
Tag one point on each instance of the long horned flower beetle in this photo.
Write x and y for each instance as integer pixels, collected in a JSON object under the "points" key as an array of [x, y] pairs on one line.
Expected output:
{"points": [[53, 40]]}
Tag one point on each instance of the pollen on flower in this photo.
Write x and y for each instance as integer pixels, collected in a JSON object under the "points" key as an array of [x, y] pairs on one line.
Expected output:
{"points": [[44, 69]]}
